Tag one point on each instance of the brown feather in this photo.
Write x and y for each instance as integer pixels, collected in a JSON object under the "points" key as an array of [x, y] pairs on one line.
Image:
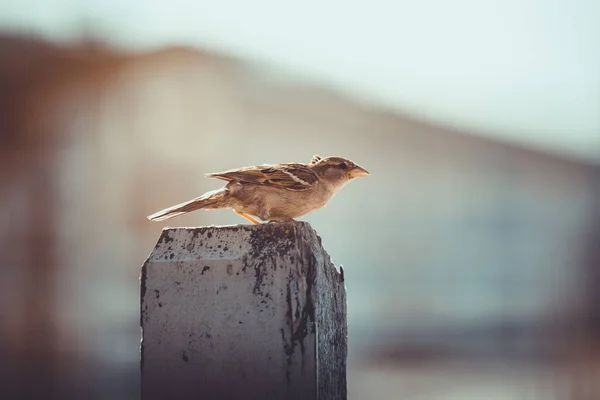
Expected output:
{"points": [[213, 199], [290, 176]]}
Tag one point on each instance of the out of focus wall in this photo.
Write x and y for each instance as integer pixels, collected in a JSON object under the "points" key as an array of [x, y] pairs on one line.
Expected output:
{"points": [[455, 243]]}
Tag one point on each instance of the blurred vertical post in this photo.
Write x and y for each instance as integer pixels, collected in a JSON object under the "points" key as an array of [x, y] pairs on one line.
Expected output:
{"points": [[35, 79], [242, 312], [27, 161]]}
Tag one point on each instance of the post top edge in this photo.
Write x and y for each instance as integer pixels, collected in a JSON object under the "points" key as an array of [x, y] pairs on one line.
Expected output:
{"points": [[273, 225]]}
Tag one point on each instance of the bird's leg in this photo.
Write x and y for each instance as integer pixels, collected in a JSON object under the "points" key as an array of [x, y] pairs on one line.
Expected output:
{"points": [[244, 215]]}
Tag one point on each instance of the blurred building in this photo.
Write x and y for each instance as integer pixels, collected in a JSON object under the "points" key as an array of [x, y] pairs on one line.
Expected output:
{"points": [[457, 247]]}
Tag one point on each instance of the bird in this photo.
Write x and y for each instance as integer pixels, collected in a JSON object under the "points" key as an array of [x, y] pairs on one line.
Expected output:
{"points": [[273, 193]]}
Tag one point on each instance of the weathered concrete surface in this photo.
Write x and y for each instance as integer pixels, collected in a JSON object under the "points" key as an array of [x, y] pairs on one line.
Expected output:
{"points": [[249, 311]]}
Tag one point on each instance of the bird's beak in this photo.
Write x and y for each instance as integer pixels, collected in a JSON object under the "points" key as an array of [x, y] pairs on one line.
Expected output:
{"points": [[358, 172]]}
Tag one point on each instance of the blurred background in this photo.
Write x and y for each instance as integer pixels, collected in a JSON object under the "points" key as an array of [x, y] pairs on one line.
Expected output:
{"points": [[472, 253]]}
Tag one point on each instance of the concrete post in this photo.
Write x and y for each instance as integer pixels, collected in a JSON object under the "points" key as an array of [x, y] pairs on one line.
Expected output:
{"points": [[242, 312]]}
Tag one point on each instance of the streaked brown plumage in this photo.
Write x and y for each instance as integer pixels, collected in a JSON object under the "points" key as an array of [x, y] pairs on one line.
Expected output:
{"points": [[277, 193]]}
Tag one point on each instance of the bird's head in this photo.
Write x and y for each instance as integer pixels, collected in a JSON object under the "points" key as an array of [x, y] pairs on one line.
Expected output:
{"points": [[337, 170]]}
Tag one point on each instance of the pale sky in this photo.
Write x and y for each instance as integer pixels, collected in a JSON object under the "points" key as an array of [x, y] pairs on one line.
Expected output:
{"points": [[519, 70]]}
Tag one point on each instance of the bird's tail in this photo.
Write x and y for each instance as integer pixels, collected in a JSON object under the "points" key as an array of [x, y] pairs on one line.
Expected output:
{"points": [[215, 199]]}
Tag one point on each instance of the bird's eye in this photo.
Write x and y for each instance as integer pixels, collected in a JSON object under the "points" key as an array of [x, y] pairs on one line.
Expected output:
{"points": [[342, 166]]}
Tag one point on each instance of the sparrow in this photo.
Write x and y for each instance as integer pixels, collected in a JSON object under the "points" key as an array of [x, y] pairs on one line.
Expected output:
{"points": [[275, 193]]}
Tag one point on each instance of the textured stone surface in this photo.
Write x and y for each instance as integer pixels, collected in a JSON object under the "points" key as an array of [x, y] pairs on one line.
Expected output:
{"points": [[248, 311]]}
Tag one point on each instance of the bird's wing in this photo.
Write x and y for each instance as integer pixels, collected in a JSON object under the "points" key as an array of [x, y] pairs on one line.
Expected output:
{"points": [[289, 176]]}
